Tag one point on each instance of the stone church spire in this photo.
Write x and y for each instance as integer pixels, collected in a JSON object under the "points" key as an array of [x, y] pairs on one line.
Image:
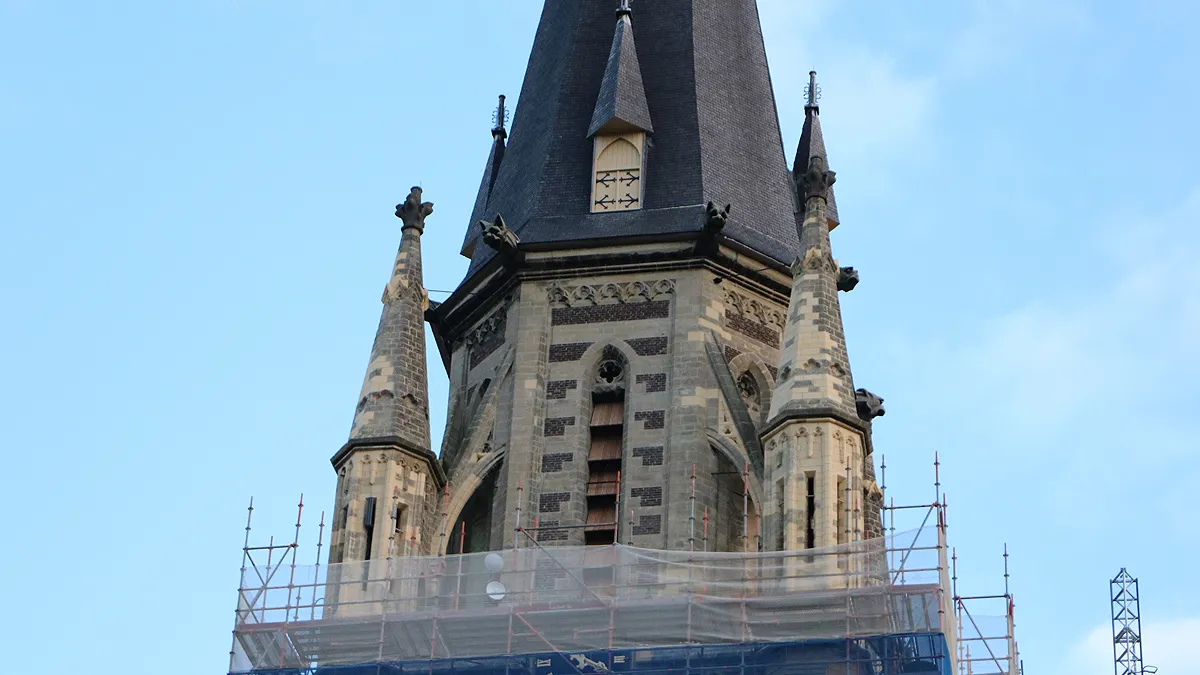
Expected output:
{"points": [[394, 402], [388, 477], [817, 441], [812, 144]]}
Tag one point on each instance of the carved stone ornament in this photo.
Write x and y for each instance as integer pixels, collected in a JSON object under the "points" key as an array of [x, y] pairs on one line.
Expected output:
{"points": [[609, 294], [847, 279], [817, 260], [413, 211], [869, 405], [495, 321], [754, 309], [817, 180], [715, 218], [500, 238]]}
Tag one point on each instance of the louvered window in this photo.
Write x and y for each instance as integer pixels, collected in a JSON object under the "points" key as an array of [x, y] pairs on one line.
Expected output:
{"points": [[617, 184]]}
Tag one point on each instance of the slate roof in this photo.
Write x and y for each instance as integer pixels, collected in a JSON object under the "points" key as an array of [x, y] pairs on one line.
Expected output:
{"points": [[622, 95], [715, 128], [812, 144]]}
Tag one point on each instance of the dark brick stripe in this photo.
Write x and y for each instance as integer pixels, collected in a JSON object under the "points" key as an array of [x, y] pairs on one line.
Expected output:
{"points": [[752, 329], [651, 456], [572, 316], [553, 462], [557, 426], [653, 419], [552, 502], [649, 496], [648, 525], [559, 388], [653, 346], [654, 382], [570, 351]]}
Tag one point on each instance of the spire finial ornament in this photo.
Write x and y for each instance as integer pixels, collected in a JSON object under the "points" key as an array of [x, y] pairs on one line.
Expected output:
{"points": [[500, 119], [624, 9], [413, 212], [814, 92]]}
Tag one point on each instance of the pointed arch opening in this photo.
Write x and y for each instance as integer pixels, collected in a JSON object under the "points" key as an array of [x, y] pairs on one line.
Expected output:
{"points": [[476, 525], [606, 443], [617, 173]]}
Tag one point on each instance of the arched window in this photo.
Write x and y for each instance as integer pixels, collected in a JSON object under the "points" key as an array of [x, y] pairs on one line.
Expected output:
{"points": [[617, 184], [606, 436]]}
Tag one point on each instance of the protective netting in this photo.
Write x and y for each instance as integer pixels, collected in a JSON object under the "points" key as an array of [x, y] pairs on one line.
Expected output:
{"points": [[583, 599]]}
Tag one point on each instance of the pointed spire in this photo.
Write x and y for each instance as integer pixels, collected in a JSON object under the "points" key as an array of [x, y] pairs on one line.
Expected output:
{"points": [[812, 144], [490, 171], [622, 100], [814, 368], [394, 403]]}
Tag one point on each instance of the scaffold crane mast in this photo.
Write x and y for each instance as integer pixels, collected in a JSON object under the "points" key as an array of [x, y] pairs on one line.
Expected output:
{"points": [[1127, 626]]}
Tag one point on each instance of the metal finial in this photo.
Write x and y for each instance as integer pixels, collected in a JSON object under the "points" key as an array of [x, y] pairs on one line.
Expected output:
{"points": [[624, 9], [814, 92], [500, 117]]}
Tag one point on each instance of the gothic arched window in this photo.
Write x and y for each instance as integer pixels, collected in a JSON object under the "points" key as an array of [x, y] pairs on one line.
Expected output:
{"points": [[617, 177]]}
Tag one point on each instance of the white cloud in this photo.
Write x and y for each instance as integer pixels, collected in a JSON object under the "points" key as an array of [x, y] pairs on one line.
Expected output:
{"points": [[1130, 340], [1169, 645]]}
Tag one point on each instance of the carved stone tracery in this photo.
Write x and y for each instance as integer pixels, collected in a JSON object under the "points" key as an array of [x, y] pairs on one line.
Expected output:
{"points": [[609, 294], [754, 309]]}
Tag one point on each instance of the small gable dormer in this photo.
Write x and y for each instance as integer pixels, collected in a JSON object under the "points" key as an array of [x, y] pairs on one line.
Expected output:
{"points": [[619, 126], [617, 165]]}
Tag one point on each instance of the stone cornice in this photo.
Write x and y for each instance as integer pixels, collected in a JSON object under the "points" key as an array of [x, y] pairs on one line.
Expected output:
{"points": [[391, 443]]}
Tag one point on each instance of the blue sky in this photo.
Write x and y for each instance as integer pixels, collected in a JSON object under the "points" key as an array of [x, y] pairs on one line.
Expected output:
{"points": [[196, 215]]}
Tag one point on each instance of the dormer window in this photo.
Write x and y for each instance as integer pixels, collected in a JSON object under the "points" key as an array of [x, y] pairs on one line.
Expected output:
{"points": [[617, 171]]}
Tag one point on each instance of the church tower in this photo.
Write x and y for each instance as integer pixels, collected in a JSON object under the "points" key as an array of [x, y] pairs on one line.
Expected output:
{"points": [[647, 347]]}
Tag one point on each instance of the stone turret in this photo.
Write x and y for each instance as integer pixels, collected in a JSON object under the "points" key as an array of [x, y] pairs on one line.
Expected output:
{"points": [[388, 478], [820, 479]]}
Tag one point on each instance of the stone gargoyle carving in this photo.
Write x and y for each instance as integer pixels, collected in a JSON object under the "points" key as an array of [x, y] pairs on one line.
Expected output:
{"points": [[501, 239], [869, 405], [715, 218], [847, 279], [413, 212], [817, 180]]}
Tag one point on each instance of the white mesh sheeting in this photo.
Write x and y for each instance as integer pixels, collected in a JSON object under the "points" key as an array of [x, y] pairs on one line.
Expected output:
{"points": [[574, 599]]}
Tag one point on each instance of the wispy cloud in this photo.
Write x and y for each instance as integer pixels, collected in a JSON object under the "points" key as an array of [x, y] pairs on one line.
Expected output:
{"points": [[1169, 645]]}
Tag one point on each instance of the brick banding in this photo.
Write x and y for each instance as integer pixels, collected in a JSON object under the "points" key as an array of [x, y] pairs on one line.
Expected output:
{"points": [[573, 316], [559, 388], [553, 462], [651, 419], [648, 525], [552, 502], [557, 426], [655, 382], [570, 351], [651, 456], [649, 496], [652, 346], [752, 329]]}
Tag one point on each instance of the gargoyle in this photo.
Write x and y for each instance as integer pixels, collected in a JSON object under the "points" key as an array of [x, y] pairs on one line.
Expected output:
{"points": [[501, 239], [413, 211], [715, 219], [847, 279], [869, 405]]}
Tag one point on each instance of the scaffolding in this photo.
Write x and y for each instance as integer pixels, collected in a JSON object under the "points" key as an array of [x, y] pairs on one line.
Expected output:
{"points": [[879, 606]]}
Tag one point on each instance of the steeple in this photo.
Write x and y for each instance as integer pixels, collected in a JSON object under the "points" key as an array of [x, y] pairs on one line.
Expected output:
{"points": [[394, 402], [699, 71], [812, 144], [388, 477], [621, 105]]}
